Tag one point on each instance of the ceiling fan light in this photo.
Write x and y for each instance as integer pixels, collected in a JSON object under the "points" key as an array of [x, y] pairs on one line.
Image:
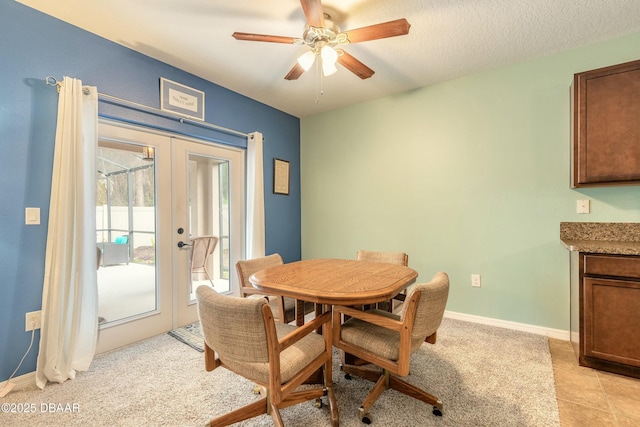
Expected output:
{"points": [[328, 68], [329, 55], [306, 60], [329, 58]]}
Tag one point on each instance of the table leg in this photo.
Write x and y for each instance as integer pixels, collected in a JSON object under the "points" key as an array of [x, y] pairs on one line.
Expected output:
{"points": [[327, 370], [316, 378], [333, 407]]}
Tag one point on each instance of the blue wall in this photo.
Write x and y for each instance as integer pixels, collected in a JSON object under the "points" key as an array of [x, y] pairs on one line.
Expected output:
{"points": [[33, 46]]}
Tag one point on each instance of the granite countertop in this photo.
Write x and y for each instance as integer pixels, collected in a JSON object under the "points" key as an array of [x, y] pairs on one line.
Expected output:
{"points": [[619, 238]]}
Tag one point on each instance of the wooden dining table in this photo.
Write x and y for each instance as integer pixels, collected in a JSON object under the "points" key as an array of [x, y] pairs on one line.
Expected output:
{"points": [[329, 282], [335, 281]]}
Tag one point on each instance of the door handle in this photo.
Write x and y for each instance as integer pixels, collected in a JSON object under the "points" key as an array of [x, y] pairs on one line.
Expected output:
{"points": [[182, 244]]}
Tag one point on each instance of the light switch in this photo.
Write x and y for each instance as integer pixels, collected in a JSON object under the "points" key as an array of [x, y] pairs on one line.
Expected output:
{"points": [[583, 206], [32, 216]]}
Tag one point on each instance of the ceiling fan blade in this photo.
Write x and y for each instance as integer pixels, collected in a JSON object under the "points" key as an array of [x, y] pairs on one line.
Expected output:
{"points": [[263, 38], [295, 72], [355, 66], [399, 27], [313, 12]]}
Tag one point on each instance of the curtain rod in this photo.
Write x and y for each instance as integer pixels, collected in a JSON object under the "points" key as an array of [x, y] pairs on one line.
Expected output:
{"points": [[52, 81]]}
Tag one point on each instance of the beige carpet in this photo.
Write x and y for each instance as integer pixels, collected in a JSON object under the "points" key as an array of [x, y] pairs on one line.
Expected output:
{"points": [[486, 376]]}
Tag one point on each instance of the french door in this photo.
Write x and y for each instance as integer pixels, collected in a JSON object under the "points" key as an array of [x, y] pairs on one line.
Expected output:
{"points": [[211, 206], [155, 193]]}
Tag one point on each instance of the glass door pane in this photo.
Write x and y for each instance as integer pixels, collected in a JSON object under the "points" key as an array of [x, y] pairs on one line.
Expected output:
{"points": [[208, 221], [125, 223]]}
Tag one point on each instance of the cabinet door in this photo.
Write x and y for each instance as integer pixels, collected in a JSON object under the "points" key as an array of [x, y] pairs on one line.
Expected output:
{"points": [[612, 320], [606, 129]]}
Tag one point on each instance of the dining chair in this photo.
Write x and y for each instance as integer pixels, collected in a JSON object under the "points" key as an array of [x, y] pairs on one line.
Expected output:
{"points": [[399, 258], [388, 340], [241, 335], [201, 249], [284, 308]]}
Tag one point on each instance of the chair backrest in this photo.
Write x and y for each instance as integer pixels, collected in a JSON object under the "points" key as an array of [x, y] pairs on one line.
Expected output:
{"points": [[233, 327], [432, 300], [201, 248], [399, 258], [246, 268]]}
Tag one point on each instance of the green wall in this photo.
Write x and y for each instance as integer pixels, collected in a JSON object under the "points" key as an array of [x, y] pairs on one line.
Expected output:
{"points": [[467, 176]]}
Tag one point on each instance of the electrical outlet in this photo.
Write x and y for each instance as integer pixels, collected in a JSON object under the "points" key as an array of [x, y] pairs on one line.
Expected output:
{"points": [[475, 280], [32, 320]]}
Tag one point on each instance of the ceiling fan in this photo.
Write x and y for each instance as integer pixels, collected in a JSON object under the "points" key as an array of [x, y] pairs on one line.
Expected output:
{"points": [[324, 39]]}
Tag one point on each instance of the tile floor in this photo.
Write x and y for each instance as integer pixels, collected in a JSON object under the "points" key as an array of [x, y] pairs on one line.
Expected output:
{"points": [[587, 397]]}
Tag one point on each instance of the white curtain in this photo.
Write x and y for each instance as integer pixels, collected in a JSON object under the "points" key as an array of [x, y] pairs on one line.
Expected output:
{"points": [[255, 197], [70, 295]]}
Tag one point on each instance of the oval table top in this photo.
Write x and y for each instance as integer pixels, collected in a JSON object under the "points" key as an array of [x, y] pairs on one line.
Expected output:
{"points": [[335, 281]]}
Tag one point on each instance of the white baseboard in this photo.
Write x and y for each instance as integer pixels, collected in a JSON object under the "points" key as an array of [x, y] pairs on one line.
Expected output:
{"points": [[539, 330], [22, 381]]}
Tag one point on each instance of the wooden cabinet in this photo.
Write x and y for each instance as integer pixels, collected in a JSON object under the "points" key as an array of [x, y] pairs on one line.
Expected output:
{"points": [[606, 126], [609, 313]]}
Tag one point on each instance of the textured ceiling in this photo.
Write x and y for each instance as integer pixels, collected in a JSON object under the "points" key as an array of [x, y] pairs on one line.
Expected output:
{"points": [[447, 39]]}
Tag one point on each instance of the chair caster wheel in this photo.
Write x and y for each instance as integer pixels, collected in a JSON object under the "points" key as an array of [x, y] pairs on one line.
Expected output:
{"points": [[366, 419], [318, 403], [347, 376], [437, 412]]}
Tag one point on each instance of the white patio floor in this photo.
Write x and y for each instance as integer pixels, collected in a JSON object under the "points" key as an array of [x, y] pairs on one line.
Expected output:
{"points": [[129, 290]]}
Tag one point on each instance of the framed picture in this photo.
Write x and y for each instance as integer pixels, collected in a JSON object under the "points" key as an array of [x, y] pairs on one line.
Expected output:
{"points": [[181, 100], [280, 176]]}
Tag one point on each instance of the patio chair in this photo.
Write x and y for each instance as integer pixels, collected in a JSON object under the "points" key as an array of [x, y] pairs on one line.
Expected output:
{"points": [[116, 252], [201, 249]]}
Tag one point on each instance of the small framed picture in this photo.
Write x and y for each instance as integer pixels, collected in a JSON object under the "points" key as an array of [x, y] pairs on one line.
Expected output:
{"points": [[280, 176], [181, 100]]}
